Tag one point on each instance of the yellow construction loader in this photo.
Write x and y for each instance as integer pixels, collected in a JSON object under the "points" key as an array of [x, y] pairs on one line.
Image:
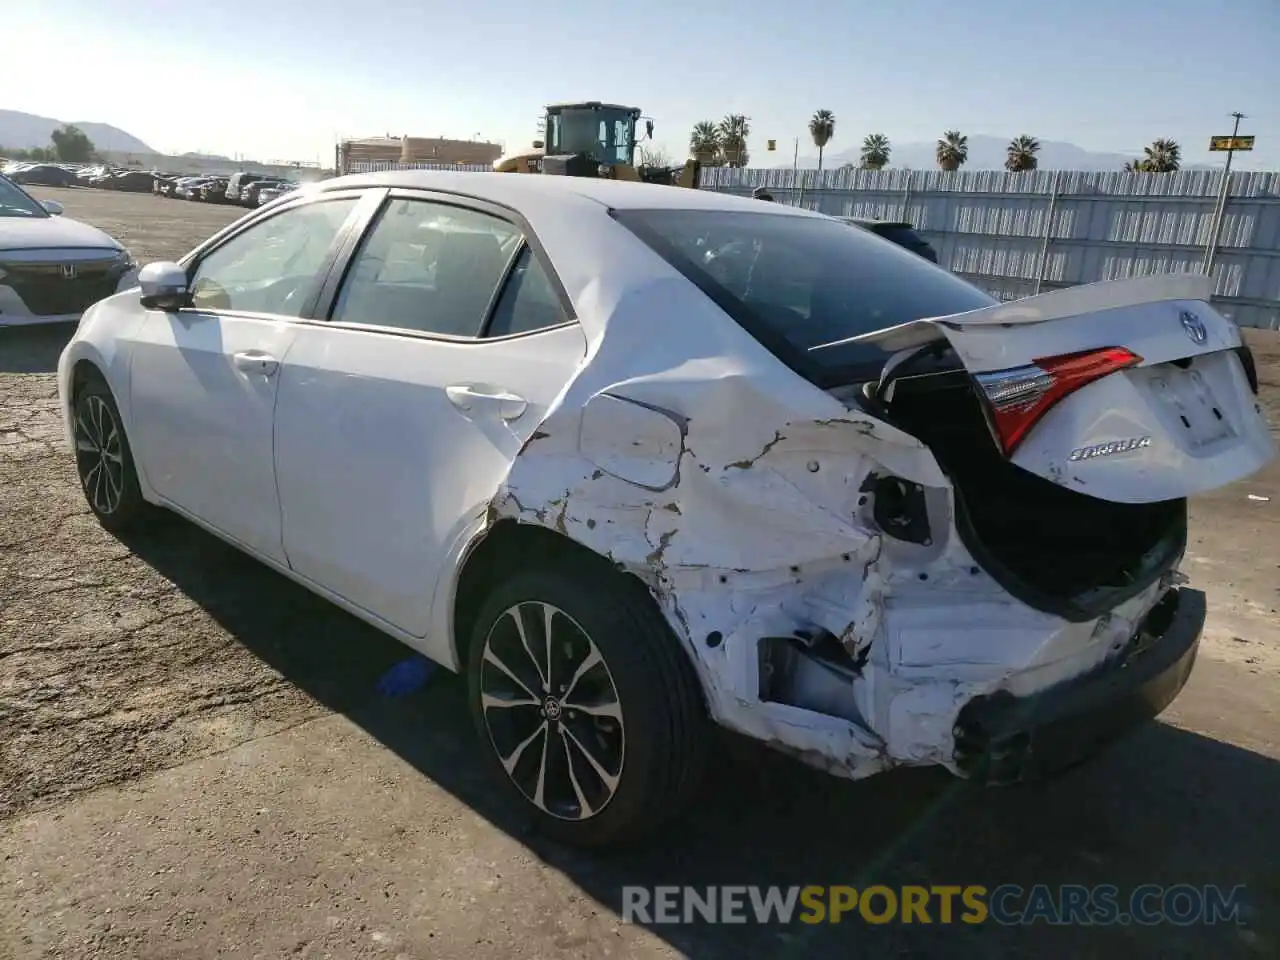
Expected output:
{"points": [[594, 139]]}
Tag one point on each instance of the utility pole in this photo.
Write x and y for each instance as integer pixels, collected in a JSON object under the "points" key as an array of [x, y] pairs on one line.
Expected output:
{"points": [[1219, 214]]}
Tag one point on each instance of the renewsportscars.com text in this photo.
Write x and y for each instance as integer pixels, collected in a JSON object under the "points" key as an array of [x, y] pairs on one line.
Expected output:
{"points": [[1008, 904]]}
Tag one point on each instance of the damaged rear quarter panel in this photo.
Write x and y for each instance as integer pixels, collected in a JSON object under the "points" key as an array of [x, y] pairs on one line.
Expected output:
{"points": [[726, 483]]}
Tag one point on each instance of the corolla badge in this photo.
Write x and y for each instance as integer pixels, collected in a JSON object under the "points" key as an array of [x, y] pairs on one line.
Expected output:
{"points": [[1110, 448], [1194, 326]]}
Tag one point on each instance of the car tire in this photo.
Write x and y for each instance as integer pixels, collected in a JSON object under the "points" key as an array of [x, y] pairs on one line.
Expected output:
{"points": [[611, 752], [104, 461]]}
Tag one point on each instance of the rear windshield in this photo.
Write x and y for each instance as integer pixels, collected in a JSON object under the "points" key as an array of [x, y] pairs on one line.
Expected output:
{"points": [[796, 283]]}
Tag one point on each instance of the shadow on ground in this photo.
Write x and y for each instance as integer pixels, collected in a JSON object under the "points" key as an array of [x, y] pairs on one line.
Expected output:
{"points": [[1166, 807], [33, 349]]}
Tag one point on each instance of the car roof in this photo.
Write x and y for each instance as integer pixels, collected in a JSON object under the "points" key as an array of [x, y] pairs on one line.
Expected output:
{"points": [[520, 190]]}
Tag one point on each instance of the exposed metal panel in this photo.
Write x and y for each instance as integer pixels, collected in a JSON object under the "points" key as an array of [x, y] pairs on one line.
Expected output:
{"points": [[990, 225]]}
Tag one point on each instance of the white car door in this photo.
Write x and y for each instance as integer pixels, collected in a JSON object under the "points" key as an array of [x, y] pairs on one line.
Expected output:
{"points": [[396, 421], [204, 378]]}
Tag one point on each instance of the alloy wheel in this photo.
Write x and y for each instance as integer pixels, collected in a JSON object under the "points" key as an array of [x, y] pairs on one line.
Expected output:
{"points": [[100, 454], [552, 711]]}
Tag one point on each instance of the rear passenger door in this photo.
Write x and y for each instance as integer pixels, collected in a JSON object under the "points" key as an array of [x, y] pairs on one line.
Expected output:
{"points": [[447, 340]]}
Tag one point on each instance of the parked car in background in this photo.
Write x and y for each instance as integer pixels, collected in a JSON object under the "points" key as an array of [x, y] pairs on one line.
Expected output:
{"points": [[635, 459], [236, 182], [214, 191], [900, 232], [52, 268], [43, 175], [128, 181], [189, 187], [274, 191], [249, 191]]}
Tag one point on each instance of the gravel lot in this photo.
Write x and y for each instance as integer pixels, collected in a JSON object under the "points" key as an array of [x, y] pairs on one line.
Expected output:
{"points": [[194, 762]]}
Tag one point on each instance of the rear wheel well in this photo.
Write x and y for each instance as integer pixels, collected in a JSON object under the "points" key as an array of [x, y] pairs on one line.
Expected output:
{"points": [[507, 547]]}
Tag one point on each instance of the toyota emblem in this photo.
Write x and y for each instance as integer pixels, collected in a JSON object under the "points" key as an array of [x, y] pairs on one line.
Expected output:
{"points": [[1194, 326]]}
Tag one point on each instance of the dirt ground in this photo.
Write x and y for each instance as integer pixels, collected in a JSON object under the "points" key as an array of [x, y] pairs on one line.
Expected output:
{"points": [[194, 761]]}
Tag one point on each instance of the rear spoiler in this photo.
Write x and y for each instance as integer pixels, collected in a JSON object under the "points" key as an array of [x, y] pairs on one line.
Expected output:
{"points": [[1054, 305]]}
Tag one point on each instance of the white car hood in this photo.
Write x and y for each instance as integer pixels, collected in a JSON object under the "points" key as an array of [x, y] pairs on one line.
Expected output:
{"points": [[26, 233]]}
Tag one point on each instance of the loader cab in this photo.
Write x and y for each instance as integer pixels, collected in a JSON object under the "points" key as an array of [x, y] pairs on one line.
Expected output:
{"points": [[602, 132]]}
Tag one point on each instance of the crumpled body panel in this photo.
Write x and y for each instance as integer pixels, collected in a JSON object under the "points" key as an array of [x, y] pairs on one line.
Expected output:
{"points": [[737, 492]]}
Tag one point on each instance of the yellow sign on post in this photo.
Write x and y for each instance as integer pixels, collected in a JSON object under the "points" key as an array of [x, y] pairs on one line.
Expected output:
{"points": [[773, 144], [1219, 144]]}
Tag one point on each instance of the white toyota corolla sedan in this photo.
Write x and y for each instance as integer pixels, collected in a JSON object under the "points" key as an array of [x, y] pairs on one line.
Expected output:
{"points": [[52, 267], [639, 459]]}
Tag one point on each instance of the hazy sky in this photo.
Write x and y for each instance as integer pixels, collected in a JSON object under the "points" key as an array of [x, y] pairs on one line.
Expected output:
{"points": [[282, 79]]}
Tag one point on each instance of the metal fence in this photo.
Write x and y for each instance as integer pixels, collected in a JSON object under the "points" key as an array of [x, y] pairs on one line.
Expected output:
{"points": [[1021, 233], [1016, 234]]}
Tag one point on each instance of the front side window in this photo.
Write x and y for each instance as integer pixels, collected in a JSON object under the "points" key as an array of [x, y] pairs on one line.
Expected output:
{"points": [[800, 283], [274, 265], [428, 267]]}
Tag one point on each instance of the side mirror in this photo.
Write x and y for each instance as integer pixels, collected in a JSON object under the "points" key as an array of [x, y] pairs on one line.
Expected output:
{"points": [[164, 286], [648, 128], [52, 207]]}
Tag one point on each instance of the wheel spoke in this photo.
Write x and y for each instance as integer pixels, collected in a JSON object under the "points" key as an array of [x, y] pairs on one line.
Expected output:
{"points": [[591, 659], [540, 790], [611, 709], [509, 763], [584, 807], [491, 657], [608, 779], [548, 612], [518, 618], [488, 700], [84, 436]]}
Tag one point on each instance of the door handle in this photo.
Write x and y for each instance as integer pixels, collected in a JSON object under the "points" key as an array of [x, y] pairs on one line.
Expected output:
{"points": [[255, 361], [511, 406]]}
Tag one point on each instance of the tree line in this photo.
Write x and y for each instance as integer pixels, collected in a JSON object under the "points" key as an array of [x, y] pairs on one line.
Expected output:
{"points": [[724, 143], [69, 144]]}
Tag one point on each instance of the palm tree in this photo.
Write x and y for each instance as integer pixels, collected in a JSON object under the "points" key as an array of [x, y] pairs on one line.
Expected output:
{"points": [[822, 127], [1163, 156], [734, 130], [704, 142], [1022, 154], [875, 152], [1136, 166], [953, 150]]}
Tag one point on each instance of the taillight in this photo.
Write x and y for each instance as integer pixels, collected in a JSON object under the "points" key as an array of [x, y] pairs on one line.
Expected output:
{"points": [[1018, 397]]}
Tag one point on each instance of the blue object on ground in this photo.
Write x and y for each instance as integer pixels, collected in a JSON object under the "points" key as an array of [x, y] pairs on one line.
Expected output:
{"points": [[407, 676]]}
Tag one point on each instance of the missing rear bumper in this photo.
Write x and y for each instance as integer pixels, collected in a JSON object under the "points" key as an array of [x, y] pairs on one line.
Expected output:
{"points": [[1004, 739]]}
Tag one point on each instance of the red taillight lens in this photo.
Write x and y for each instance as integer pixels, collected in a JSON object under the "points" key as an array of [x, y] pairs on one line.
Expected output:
{"points": [[1017, 398]]}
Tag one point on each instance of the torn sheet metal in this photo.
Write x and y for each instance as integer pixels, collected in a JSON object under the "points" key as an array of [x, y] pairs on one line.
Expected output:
{"points": [[735, 490]]}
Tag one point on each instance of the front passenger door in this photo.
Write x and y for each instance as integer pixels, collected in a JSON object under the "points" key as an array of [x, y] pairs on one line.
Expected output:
{"points": [[204, 379]]}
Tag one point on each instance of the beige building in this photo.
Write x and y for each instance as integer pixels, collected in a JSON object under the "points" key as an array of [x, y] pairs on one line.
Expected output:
{"points": [[416, 150]]}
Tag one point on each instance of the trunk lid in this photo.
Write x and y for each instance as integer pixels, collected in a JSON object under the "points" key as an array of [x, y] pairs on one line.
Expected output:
{"points": [[1128, 390]]}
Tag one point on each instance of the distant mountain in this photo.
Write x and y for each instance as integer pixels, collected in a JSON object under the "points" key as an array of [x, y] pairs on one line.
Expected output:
{"points": [[985, 153], [25, 131]]}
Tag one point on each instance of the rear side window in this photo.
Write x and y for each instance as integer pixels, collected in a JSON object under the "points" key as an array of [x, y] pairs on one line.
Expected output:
{"points": [[528, 301], [797, 283], [428, 267]]}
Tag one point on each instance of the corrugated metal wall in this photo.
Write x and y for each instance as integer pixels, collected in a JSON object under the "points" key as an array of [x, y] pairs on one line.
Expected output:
{"points": [[991, 226]]}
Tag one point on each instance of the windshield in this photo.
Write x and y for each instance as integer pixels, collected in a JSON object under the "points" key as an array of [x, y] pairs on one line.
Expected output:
{"points": [[799, 283], [607, 136], [14, 202]]}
